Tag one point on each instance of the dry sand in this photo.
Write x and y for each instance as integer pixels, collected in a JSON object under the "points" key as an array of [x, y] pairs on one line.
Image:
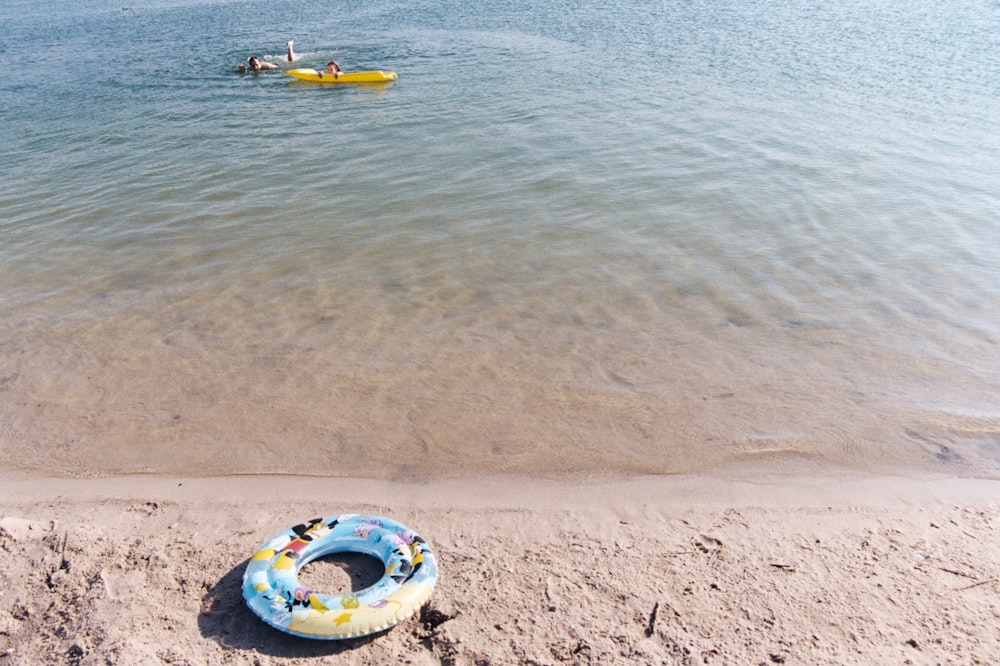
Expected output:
{"points": [[657, 570]]}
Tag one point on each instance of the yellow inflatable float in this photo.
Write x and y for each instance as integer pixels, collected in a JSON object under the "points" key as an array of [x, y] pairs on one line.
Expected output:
{"points": [[314, 76]]}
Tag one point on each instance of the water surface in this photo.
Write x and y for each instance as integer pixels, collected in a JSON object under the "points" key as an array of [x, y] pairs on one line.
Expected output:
{"points": [[572, 237]]}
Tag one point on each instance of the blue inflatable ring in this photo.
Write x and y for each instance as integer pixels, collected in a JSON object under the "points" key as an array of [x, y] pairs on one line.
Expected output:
{"points": [[272, 590]]}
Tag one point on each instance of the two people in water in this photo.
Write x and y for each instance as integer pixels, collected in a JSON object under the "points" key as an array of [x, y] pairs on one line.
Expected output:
{"points": [[257, 64]]}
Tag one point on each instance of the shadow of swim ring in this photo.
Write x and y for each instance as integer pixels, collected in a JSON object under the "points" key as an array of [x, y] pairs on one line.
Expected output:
{"points": [[272, 591]]}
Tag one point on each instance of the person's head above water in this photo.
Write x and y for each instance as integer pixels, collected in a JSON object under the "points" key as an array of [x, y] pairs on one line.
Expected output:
{"points": [[256, 64], [332, 67]]}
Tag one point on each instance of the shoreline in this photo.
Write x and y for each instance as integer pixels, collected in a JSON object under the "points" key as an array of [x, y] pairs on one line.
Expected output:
{"points": [[570, 491], [674, 570]]}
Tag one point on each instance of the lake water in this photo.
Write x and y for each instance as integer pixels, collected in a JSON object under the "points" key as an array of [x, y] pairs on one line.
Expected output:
{"points": [[616, 237]]}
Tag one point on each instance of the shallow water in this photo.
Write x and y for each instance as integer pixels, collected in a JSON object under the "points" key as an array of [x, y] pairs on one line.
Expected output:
{"points": [[643, 238]]}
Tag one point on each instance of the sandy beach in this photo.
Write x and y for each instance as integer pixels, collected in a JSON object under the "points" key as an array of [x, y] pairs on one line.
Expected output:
{"points": [[649, 570]]}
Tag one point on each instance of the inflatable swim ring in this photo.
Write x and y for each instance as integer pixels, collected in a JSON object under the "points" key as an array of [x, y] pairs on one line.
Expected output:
{"points": [[272, 591]]}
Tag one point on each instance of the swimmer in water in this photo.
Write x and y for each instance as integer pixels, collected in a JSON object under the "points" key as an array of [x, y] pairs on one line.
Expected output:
{"points": [[256, 64], [332, 68]]}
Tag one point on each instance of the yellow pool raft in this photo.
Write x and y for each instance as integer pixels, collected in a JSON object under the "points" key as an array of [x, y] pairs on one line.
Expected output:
{"points": [[306, 74]]}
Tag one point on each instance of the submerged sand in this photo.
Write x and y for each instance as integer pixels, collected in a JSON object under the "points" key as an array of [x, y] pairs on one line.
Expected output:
{"points": [[658, 570]]}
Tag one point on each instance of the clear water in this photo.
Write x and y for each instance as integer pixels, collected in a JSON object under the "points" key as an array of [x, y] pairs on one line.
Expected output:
{"points": [[587, 237]]}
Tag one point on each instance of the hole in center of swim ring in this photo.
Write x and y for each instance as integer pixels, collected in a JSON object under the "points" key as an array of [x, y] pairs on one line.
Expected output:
{"points": [[340, 573]]}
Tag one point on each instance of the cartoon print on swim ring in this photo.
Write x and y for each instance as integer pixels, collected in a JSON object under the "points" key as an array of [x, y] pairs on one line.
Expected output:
{"points": [[272, 590]]}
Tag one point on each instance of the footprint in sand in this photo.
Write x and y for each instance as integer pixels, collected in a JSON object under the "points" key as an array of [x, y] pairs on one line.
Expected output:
{"points": [[707, 544]]}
